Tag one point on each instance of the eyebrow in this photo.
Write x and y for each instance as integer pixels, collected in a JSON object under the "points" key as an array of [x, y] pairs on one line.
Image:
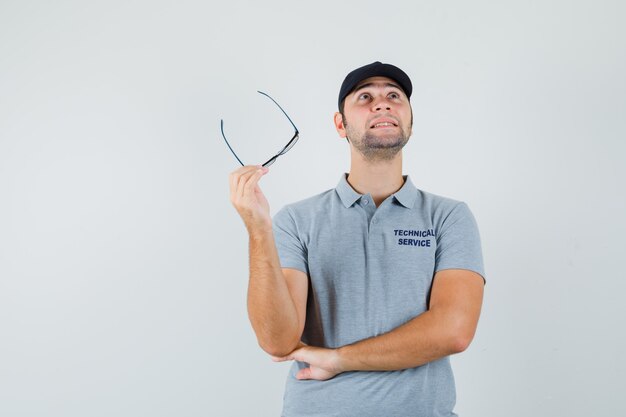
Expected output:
{"points": [[362, 86]]}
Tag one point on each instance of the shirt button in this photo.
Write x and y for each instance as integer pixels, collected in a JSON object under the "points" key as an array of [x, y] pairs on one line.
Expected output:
{"points": [[374, 221], [365, 201]]}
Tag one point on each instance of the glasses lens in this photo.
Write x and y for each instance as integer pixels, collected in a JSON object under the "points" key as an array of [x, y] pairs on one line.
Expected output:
{"points": [[270, 162], [289, 145]]}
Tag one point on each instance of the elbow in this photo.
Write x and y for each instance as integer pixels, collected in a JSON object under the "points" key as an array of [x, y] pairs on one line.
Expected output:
{"points": [[461, 338], [278, 350], [278, 353], [460, 343]]}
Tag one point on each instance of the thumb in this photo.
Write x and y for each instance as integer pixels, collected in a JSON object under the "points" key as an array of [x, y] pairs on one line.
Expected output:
{"points": [[304, 374]]}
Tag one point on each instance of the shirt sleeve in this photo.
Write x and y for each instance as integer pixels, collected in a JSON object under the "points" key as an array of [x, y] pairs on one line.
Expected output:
{"points": [[458, 242], [292, 252]]}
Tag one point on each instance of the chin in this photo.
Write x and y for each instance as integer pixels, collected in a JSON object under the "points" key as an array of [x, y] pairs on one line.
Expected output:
{"points": [[391, 141]]}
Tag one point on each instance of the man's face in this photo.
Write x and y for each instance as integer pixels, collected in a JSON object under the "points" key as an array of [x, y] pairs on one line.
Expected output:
{"points": [[377, 118]]}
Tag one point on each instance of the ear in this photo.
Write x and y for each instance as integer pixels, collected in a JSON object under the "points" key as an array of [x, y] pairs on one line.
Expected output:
{"points": [[341, 129]]}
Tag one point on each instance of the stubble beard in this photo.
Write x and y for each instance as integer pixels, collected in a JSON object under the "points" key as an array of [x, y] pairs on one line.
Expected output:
{"points": [[375, 148]]}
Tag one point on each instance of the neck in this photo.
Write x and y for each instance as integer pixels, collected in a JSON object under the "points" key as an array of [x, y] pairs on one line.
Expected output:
{"points": [[380, 179]]}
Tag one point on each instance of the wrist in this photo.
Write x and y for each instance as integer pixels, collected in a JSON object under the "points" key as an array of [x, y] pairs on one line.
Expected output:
{"points": [[342, 359], [259, 230]]}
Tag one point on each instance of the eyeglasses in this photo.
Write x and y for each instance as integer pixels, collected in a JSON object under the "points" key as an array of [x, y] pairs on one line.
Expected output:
{"points": [[283, 151]]}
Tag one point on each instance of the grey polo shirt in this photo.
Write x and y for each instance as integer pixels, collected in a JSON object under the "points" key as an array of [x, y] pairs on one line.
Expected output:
{"points": [[370, 270]]}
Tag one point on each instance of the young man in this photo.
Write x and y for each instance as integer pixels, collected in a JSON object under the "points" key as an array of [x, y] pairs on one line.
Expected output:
{"points": [[370, 286]]}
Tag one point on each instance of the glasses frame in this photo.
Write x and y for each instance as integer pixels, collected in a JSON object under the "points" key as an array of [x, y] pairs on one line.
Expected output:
{"points": [[283, 151]]}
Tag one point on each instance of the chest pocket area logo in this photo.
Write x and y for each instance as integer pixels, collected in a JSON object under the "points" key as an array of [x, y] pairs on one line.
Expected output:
{"points": [[419, 238]]}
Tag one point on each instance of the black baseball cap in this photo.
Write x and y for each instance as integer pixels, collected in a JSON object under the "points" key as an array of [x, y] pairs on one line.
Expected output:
{"points": [[375, 69]]}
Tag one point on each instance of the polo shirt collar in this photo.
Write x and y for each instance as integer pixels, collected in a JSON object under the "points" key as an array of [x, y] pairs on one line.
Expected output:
{"points": [[346, 193], [406, 195]]}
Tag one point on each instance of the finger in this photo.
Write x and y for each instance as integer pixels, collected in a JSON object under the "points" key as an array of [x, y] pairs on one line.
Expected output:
{"points": [[249, 181], [304, 354], [236, 175], [241, 178], [252, 184], [246, 174], [304, 374]]}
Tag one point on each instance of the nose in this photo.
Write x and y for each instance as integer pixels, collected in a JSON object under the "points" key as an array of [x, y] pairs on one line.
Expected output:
{"points": [[381, 104]]}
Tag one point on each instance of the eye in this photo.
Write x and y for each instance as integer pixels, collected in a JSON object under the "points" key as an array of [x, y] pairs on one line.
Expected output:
{"points": [[394, 95], [364, 96]]}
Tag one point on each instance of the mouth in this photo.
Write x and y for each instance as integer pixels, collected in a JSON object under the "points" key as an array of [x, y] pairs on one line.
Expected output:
{"points": [[384, 123]]}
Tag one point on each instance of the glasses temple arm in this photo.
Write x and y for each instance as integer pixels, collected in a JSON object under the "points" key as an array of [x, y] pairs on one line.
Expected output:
{"points": [[281, 109], [228, 144]]}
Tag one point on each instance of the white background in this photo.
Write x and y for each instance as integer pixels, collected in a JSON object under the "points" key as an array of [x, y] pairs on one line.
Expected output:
{"points": [[123, 265]]}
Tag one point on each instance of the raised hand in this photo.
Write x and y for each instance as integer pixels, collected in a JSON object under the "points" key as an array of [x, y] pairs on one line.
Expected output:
{"points": [[248, 199]]}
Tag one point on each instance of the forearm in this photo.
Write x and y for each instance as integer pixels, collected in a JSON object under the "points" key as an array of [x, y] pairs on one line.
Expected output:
{"points": [[425, 338], [271, 309], [446, 328]]}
